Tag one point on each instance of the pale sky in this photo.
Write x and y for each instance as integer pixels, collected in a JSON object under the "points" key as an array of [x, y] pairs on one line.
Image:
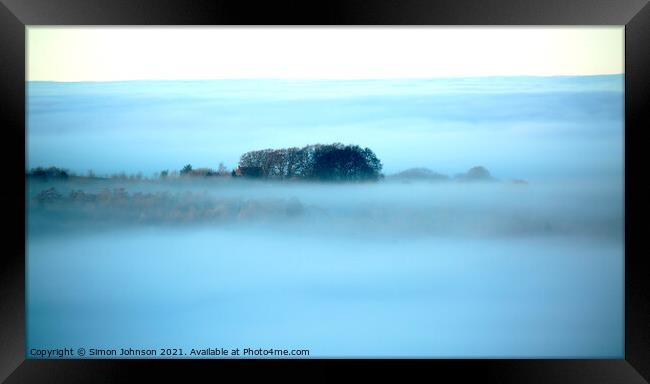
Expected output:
{"points": [[195, 53]]}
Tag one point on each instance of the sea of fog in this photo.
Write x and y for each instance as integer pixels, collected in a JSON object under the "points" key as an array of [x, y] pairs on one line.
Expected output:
{"points": [[388, 269], [408, 269]]}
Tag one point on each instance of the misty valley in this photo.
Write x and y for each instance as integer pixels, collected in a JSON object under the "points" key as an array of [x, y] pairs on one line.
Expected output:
{"points": [[409, 263], [421, 205], [461, 217]]}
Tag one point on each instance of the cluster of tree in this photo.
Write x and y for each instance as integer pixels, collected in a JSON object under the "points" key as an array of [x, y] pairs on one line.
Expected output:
{"points": [[333, 162], [48, 173]]}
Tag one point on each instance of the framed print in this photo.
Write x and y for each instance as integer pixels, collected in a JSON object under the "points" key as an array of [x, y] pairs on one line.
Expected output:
{"points": [[447, 186]]}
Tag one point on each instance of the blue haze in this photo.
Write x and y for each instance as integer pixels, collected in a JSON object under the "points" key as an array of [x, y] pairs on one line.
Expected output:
{"points": [[413, 269], [530, 127]]}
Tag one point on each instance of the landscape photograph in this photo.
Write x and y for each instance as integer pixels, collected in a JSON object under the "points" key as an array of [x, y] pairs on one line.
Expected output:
{"points": [[324, 192]]}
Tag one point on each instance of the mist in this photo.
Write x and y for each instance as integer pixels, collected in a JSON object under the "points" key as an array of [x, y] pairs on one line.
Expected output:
{"points": [[394, 208], [419, 269], [419, 263]]}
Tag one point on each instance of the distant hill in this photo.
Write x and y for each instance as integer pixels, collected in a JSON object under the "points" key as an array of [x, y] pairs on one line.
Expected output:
{"points": [[414, 174], [474, 174], [477, 173]]}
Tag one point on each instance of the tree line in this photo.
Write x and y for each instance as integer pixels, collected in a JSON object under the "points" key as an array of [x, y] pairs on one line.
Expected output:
{"points": [[320, 162], [332, 162]]}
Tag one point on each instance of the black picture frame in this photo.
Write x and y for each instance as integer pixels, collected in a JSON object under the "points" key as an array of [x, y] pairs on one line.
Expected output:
{"points": [[634, 14]]}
